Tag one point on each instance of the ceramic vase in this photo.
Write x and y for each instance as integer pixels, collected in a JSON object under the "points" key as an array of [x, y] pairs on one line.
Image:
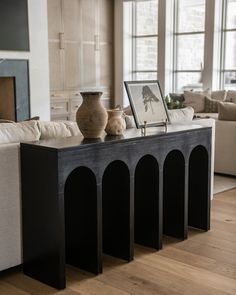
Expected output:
{"points": [[116, 122], [91, 117]]}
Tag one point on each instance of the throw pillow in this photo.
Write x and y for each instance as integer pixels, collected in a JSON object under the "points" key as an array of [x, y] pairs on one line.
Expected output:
{"points": [[72, 127], [18, 132], [129, 120], [219, 95], [231, 96], [58, 129], [227, 111], [211, 105], [195, 100], [181, 115]]}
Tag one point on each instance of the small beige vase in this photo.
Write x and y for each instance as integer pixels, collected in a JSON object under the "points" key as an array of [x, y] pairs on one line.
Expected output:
{"points": [[116, 122], [91, 117]]}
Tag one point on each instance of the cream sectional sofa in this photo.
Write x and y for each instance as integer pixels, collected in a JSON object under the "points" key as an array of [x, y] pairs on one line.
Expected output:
{"points": [[185, 115], [10, 197], [225, 144], [225, 131]]}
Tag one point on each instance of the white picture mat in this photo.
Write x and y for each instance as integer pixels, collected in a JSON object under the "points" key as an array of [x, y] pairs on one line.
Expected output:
{"points": [[155, 109]]}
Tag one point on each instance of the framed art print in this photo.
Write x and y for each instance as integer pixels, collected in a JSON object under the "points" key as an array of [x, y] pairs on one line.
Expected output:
{"points": [[147, 103]]}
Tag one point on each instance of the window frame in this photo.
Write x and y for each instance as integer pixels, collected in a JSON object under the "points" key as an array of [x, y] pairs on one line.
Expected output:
{"points": [[175, 47], [134, 37], [213, 72], [224, 32]]}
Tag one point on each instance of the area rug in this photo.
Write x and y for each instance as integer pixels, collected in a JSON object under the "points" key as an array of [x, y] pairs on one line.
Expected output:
{"points": [[223, 183]]}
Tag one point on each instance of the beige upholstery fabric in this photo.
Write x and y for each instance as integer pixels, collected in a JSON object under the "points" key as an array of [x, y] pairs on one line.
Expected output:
{"points": [[210, 123], [219, 95], [231, 96], [211, 105], [17, 132], [225, 159], [175, 116], [10, 207], [195, 100], [181, 115], [72, 127], [58, 129], [129, 120], [10, 196], [227, 111]]}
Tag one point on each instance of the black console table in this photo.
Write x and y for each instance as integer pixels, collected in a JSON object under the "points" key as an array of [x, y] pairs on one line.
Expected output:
{"points": [[81, 198]]}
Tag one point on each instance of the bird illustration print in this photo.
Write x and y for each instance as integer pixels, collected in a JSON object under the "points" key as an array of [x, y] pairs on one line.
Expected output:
{"points": [[149, 98]]}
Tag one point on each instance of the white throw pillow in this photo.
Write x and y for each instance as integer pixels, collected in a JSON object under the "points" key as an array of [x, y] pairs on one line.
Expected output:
{"points": [[129, 120], [72, 127], [18, 132], [55, 129], [184, 115]]}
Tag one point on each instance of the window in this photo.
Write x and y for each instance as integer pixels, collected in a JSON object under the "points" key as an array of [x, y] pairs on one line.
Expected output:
{"points": [[228, 63], [184, 43], [145, 39], [188, 44]]}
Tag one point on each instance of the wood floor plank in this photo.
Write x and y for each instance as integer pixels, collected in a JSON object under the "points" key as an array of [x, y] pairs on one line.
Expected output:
{"points": [[153, 279], [214, 241], [8, 289], [200, 262], [204, 264], [208, 251], [90, 286], [194, 274], [28, 285]]}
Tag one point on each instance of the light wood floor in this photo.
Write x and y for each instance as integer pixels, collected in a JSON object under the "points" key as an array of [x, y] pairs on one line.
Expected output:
{"points": [[204, 264]]}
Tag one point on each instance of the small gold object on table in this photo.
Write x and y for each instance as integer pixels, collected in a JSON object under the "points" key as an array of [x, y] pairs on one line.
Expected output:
{"points": [[144, 129]]}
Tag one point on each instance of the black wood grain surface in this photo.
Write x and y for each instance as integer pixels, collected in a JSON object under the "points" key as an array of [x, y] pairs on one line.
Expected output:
{"points": [[82, 198]]}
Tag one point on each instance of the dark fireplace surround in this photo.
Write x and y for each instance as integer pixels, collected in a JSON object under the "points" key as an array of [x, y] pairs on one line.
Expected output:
{"points": [[14, 90]]}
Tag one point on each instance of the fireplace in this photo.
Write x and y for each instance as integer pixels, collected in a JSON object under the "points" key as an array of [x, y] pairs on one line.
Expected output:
{"points": [[14, 90]]}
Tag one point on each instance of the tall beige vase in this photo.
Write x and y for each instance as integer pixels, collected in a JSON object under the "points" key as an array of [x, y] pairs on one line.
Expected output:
{"points": [[91, 117]]}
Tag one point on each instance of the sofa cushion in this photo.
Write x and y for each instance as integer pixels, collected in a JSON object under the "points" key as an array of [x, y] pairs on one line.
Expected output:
{"points": [[58, 129], [129, 120], [211, 105], [10, 207], [227, 111], [195, 100], [219, 95], [231, 96], [225, 147], [17, 132], [181, 115]]}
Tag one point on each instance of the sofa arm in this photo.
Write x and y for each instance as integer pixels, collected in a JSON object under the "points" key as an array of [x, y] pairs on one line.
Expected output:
{"points": [[10, 207], [210, 123], [225, 158]]}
